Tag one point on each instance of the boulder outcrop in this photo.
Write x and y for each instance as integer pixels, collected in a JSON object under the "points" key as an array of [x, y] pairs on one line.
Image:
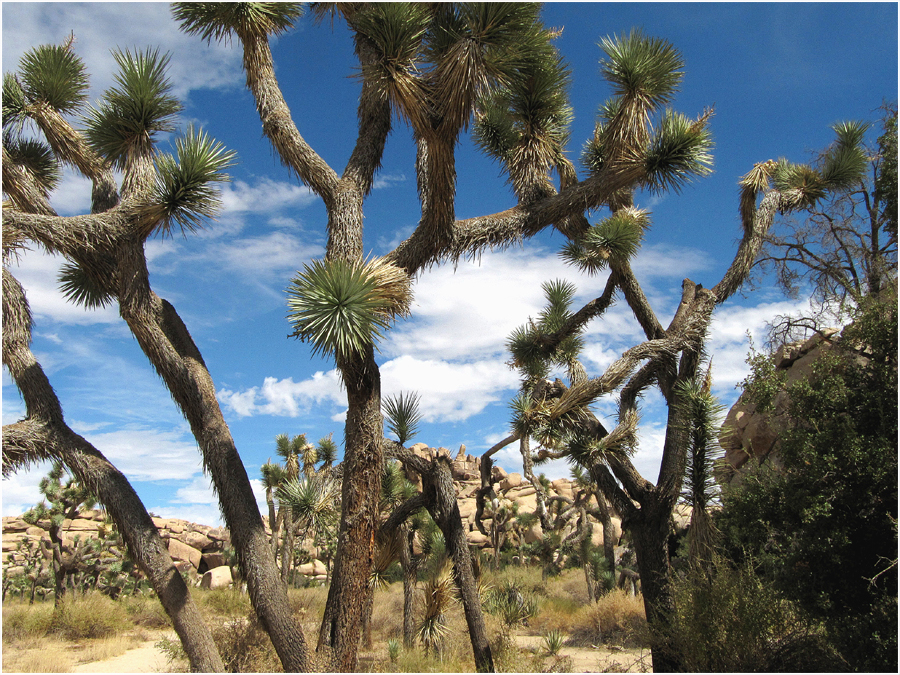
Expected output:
{"points": [[750, 438]]}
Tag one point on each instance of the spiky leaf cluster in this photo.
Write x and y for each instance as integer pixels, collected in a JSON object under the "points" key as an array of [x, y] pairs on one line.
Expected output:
{"points": [[312, 500], [679, 150], [128, 117], [36, 157], [402, 415], [397, 32], [475, 47], [840, 168], [526, 124], [184, 193], [525, 342], [701, 412], [616, 238], [645, 73], [52, 75], [80, 288], [341, 307], [327, 450], [219, 21]]}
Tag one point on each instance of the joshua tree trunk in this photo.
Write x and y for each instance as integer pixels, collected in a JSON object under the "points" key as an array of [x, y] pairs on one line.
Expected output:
{"points": [[44, 434], [409, 585], [439, 497], [287, 545], [361, 487]]}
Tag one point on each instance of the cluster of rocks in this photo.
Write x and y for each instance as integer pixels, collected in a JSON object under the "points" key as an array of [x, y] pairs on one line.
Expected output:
{"points": [[750, 435], [508, 486], [198, 550]]}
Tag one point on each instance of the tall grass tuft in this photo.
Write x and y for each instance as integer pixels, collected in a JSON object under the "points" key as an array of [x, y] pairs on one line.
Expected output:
{"points": [[90, 616], [615, 619]]}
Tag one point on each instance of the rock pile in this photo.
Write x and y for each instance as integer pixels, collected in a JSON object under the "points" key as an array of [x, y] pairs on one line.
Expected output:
{"points": [[200, 549], [195, 549]]}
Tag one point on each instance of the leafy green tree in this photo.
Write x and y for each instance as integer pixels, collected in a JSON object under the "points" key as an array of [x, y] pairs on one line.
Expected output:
{"points": [[823, 529]]}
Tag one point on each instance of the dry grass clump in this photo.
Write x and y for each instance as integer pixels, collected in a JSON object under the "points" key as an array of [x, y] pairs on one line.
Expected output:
{"points": [[45, 656], [24, 622], [222, 602], [146, 612], [617, 618], [90, 616]]}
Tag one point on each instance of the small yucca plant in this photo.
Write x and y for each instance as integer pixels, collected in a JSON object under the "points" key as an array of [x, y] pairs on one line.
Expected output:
{"points": [[553, 641]]}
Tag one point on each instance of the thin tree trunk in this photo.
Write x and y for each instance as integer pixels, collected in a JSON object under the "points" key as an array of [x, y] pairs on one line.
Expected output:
{"points": [[409, 586], [167, 343], [445, 511]]}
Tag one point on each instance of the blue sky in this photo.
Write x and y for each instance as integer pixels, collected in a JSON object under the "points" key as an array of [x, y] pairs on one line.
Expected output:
{"points": [[779, 75]]}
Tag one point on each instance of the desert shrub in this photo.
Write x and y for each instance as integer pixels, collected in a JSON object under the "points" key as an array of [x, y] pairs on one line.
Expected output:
{"points": [[22, 621], [728, 620], [90, 616], [616, 618], [228, 602], [557, 613], [245, 647], [146, 611]]}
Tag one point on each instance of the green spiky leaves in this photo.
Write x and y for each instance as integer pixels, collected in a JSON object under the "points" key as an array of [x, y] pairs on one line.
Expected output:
{"points": [[402, 415], [642, 68], [680, 149], [700, 414], [185, 193], [397, 32], [36, 158], [129, 115], [220, 20], [616, 238], [55, 76], [341, 308], [80, 288], [527, 343], [839, 168]]}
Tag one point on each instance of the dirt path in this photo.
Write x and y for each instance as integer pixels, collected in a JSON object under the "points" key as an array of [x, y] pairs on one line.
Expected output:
{"points": [[599, 660], [144, 659]]}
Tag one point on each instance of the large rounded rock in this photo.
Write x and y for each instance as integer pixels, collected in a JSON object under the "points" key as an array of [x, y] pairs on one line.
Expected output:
{"points": [[511, 481], [312, 569], [181, 551], [217, 577]]}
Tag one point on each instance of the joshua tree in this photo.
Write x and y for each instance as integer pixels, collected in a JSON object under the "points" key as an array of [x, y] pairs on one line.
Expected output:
{"points": [[433, 67], [160, 192], [644, 73], [272, 476], [66, 496]]}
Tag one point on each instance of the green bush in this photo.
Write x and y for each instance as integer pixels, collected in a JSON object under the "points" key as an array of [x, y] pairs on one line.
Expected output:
{"points": [[729, 620], [823, 529]]}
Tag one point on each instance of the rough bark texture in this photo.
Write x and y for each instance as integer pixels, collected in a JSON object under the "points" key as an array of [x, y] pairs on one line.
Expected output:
{"points": [[361, 487]]}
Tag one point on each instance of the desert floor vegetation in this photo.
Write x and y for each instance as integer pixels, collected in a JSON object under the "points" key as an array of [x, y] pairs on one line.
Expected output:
{"points": [[566, 633]]}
